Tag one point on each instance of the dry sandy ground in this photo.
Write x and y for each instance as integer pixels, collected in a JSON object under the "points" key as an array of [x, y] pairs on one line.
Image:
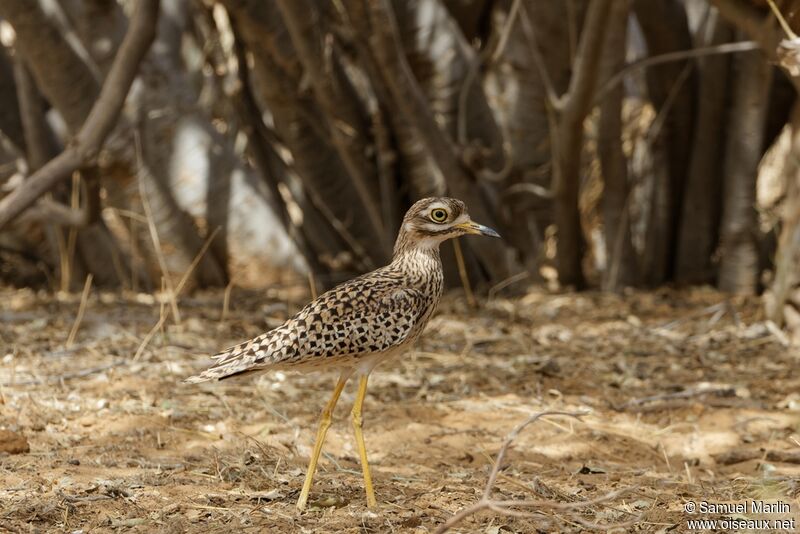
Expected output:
{"points": [[690, 397]]}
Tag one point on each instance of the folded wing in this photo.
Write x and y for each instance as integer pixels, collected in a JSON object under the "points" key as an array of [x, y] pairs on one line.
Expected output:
{"points": [[353, 319]]}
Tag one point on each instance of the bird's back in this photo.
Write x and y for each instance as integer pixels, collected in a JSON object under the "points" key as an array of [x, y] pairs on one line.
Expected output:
{"points": [[372, 314]]}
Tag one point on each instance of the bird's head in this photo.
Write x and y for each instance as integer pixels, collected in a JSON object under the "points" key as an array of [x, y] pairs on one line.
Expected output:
{"points": [[432, 220]]}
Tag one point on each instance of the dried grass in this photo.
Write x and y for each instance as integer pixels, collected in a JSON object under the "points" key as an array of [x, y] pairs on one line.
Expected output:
{"points": [[122, 444]]}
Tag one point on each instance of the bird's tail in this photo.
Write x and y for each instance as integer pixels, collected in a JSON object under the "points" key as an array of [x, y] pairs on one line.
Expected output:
{"points": [[244, 358]]}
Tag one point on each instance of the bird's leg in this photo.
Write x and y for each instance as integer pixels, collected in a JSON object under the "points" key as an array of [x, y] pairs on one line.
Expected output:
{"points": [[324, 423], [362, 449]]}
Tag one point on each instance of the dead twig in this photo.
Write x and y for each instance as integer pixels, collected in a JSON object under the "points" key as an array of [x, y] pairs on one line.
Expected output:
{"points": [[784, 25], [685, 394], [67, 376], [669, 57], [512, 507], [164, 315], [742, 455]]}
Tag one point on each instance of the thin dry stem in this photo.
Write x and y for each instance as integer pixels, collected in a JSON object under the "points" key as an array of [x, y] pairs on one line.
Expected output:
{"points": [[462, 274], [312, 285], [781, 20], [164, 314], [162, 264], [81, 309], [226, 300]]}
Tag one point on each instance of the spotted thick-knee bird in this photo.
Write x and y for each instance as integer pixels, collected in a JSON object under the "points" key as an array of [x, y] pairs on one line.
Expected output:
{"points": [[359, 323]]}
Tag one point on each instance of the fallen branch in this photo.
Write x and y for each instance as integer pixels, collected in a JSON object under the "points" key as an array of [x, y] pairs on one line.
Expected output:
{"points": [[101, 120], [726, 391], [67, 376], [512, 507], [737, 456]]}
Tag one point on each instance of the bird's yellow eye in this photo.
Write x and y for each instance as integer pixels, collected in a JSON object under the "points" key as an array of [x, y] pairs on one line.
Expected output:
{"points": [[438, 215]]}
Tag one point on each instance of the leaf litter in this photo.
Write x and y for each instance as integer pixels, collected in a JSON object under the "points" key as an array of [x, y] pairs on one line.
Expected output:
{"points": [[690, 396]]}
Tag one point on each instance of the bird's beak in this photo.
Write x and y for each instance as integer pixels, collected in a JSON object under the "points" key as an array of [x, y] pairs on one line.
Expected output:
{"points": [[471, 227]]}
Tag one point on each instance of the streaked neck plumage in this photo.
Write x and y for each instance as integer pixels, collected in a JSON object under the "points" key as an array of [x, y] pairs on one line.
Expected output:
{"points": [[412, 249]]}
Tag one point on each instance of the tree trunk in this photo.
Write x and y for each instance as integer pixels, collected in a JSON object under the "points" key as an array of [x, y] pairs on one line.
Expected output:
{"points": [[347, 120], [517, 93], [100, 25], [277, 74], [406, 96], [620, 268], [447, 70], [165, 88], [739, 255], [699, 223], [60, 74], [572, 109], [672, 90], [10, 120]]}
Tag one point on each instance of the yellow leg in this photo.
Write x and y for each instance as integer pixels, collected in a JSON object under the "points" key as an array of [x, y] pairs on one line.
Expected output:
{"points": [[362, 449], [324, 423]]}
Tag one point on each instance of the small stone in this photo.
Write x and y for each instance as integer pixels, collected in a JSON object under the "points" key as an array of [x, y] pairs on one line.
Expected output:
{"points": [[13, 442]]}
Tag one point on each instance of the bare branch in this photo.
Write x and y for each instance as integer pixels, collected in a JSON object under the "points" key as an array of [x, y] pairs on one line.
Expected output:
{"points": [[652, 61], [102, 117], [512, 436], [50, 211], [511, 507], [587, 61]]}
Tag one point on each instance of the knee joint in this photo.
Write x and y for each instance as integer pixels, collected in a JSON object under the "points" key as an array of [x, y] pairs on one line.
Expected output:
{"points": [[358, 421]]}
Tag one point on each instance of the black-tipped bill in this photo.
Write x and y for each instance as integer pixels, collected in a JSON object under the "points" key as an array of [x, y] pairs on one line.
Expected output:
{"points": [[471, 227]]}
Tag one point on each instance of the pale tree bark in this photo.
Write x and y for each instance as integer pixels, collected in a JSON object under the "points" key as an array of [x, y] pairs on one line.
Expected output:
{"points": [[738, 252], [620, 255], [699, 222], [783, 299]]}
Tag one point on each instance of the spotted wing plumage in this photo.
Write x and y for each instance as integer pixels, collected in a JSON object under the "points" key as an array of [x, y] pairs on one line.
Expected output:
{"points": [[370, 314]]}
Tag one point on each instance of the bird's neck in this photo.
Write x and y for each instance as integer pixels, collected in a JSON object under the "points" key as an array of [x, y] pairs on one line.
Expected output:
{"points": [[414, 253], [410, 242]]}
